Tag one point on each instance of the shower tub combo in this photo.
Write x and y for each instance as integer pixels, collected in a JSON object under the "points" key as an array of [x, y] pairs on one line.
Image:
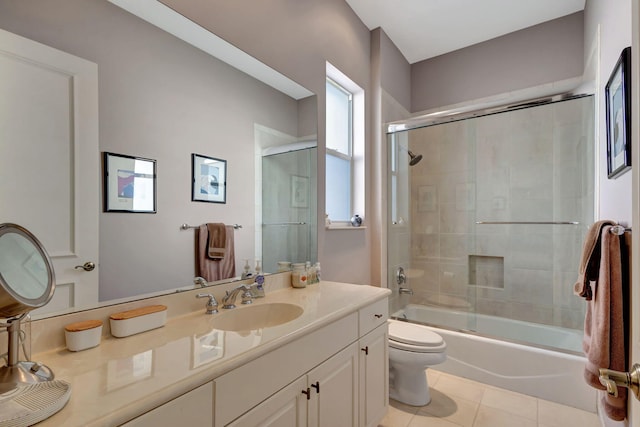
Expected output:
{"points": [[487, 212]]}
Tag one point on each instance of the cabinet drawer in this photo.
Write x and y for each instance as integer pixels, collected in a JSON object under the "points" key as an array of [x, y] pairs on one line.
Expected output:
{"points": [[243, 388], [372, 316]]}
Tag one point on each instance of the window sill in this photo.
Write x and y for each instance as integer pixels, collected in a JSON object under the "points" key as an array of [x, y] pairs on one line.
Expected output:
{"points": [[344, 227]]}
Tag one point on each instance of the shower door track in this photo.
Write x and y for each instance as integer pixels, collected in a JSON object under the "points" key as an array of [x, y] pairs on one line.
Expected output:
{"points": [[469, 112]]}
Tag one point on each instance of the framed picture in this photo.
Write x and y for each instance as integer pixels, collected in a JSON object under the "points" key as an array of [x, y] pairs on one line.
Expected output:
{"points": [[209, 179], [129, 184], [618, 109], [207, 348], [427, 198], [299, 191]]}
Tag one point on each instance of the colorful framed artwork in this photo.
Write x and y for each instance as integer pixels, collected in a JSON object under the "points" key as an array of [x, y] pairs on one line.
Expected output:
{"points": [[129, 184]]}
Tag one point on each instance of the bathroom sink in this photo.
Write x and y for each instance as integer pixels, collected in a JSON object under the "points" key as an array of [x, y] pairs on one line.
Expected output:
{"points": [[256, 316]]}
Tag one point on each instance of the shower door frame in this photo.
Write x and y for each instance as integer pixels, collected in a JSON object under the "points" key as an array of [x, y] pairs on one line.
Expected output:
{"points": [[396, 302]]}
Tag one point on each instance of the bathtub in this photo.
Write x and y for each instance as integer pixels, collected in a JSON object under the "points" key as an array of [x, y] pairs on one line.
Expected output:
{"points": [[548, 374]]}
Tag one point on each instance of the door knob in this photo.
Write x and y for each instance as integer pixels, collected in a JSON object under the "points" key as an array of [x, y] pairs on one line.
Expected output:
{"points": [[87, 266], [612, 379]]}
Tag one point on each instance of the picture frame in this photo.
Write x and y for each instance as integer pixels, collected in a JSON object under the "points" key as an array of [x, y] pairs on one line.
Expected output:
{"points": [[129, 183], [427, 199], [299, 191], [209, 179], [618, 116], [206, 348]]}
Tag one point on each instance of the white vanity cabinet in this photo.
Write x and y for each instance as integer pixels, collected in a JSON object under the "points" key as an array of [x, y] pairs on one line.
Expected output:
{"points": [[193, 409], [373, 363], [325, 397], [374, 376], [334, 376]]}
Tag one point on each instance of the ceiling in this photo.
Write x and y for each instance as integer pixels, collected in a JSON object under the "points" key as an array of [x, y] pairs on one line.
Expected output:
{"points": [[422, 29]]}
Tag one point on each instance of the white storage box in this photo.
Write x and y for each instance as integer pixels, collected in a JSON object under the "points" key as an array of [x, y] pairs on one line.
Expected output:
{"points": [[83, 335], [138, 320]]}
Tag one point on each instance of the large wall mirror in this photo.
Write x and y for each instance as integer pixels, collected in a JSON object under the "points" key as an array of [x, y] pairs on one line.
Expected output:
{"points": [[123, 85]]}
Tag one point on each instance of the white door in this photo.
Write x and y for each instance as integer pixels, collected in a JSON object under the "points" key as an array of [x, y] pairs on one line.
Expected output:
{"points": [[49, 161], [286, 408], [634, 339], [374, 376]]}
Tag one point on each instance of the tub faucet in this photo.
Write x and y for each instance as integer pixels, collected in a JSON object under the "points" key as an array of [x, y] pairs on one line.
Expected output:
{"points": [[401, 278], [228, 301], [407, 291]]}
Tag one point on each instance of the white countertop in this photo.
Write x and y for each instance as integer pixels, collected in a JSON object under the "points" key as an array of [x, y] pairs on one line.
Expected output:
{"points": [[125, 377]]}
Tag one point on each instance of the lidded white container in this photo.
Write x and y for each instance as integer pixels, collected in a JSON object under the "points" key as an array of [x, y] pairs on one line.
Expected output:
{"points": [[83, 335]]}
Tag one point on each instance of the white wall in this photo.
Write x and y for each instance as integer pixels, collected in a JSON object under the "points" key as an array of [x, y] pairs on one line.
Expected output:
{"points": [[542, 54], [607, 29]]}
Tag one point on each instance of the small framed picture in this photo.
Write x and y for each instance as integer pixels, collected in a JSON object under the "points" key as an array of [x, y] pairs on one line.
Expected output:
{"points": [[129, 184], [618, 105], [209, 179], [299, 191]]}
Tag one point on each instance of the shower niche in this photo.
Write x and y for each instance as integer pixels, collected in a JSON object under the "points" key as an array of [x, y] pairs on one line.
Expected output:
{"points": [[486, 271]]}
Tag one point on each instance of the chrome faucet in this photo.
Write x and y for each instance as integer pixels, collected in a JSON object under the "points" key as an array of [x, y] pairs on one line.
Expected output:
{"points": [[407, 291], [200, 282], [228, 301], [212, 303], [401, 278]]}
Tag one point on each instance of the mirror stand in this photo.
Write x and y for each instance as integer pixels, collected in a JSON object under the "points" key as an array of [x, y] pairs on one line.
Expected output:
{"points": [[19, 372]]}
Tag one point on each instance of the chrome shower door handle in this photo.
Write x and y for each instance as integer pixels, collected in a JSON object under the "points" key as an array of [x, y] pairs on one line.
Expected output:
{"points": [[87, 266], [614, 379]]}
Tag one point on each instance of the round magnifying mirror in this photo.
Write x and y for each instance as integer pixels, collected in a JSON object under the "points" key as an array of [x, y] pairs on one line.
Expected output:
{"points": [[26, 275]]}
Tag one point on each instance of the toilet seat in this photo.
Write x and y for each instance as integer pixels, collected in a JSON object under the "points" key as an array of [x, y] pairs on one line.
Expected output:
{"points": [[416, 338]]}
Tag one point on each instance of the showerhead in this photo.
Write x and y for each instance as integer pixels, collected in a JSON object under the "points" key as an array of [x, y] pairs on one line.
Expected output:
{"points": [[415, 159]]}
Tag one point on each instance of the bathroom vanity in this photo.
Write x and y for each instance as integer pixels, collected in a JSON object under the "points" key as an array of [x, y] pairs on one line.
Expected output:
{"points": [[326, 367]]}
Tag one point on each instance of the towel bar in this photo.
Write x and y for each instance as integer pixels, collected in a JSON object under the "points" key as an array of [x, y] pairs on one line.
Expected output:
{"points": [[186, 226], [531, 222], [619, 229]]}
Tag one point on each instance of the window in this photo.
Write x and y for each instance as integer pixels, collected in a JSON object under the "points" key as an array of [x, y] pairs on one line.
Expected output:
{"points": [[339, 164], [344, 147]]}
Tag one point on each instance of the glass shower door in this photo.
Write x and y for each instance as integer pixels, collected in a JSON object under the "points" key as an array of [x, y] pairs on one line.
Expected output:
{"points": [[289, 208]]}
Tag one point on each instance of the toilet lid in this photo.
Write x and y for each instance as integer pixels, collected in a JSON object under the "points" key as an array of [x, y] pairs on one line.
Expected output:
{"points": [[412, 334]]}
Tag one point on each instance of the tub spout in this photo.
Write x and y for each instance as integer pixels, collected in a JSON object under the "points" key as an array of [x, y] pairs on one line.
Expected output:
{"points": [[407, 291]]}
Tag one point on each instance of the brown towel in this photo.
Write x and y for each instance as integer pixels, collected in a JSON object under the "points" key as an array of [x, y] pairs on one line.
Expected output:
{"points": [[208, 268], [217, 238], [590, 260], [603, 341]]}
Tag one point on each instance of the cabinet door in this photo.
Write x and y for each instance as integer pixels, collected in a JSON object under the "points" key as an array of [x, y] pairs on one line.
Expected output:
{"points": [[193, 409], [374, 376], [286, 408], [333, 388]]}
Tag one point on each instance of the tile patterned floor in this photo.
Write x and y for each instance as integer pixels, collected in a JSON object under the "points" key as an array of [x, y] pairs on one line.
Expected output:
{"points": [[459, 402]]}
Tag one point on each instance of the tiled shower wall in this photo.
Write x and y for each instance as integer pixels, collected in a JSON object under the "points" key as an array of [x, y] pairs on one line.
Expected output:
{"points": [[529, 165]]}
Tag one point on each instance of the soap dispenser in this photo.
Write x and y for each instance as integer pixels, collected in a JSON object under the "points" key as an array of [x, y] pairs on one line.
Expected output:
{"points": [[257, 289], [247, 270]]}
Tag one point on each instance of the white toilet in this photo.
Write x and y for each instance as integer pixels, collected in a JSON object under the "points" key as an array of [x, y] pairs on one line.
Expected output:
{"points": [[412, 349]]}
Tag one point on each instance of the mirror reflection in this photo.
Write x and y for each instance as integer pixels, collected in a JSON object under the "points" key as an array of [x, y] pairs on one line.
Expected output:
{"points": [[138, 91], [26, 275]]}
